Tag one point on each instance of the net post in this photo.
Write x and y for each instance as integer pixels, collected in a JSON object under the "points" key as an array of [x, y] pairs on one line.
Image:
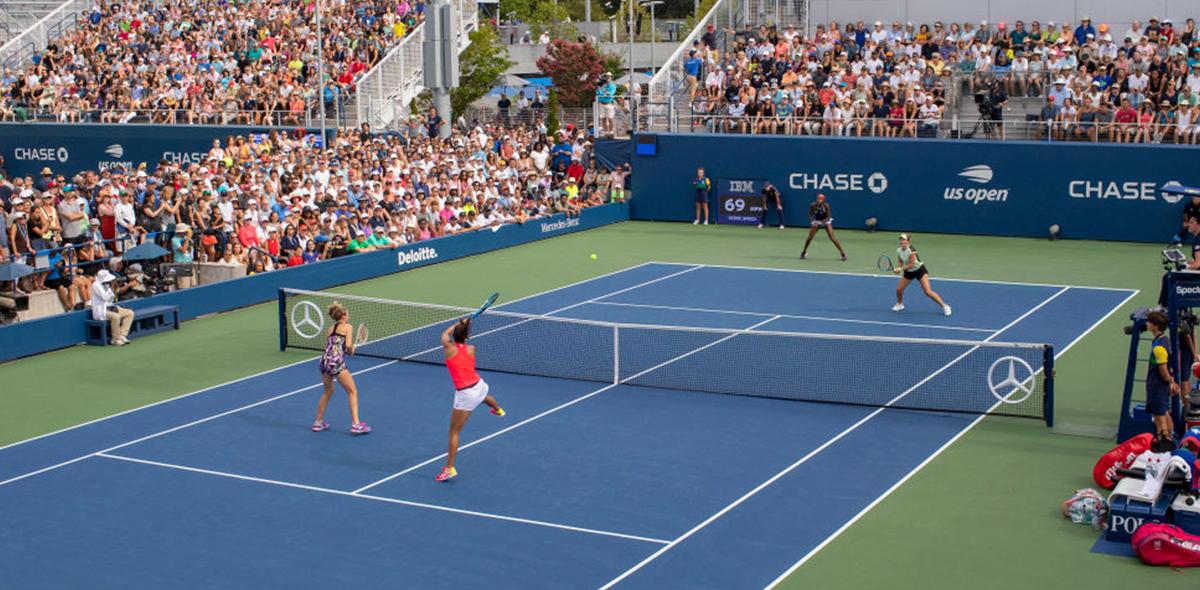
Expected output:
{"points": [[282, 321], [1048, 405], [616, 355]]}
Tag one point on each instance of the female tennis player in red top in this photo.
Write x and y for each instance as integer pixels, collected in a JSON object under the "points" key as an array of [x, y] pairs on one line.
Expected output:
{"points": [[470, 389]]}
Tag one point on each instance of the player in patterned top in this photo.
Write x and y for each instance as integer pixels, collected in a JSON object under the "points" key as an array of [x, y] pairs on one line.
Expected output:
{"points": [[470, 388], [1160, 384], [821, 216], [914, 270], [339, 342]]}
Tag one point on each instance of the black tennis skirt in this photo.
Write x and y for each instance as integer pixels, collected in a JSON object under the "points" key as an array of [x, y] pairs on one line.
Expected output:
{"points": [[915, 275]]}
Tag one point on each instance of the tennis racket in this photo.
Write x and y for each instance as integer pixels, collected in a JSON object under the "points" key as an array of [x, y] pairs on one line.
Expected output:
{"points": [[885, 263], [363, 335], [486, 304]]}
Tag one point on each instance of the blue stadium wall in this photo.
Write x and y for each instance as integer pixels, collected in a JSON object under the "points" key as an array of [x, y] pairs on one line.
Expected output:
{"points": [[71, 148], [67, 329], [1013, 188]]}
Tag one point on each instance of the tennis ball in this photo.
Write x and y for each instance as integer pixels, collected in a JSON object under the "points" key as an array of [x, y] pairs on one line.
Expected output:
{"points": [[593, 256]]}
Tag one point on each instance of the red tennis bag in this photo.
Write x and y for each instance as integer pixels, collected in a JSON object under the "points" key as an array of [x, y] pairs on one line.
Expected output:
{"points": [[1122, 457], [1165, 544]]}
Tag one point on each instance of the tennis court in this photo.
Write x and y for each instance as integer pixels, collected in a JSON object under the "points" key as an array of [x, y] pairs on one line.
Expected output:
{"points": [[635, 483]]}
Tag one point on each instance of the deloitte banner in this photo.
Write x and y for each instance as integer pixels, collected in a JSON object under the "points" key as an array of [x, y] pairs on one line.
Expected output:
{"points": [[67, 149], [1013, 188], [67, 329]]}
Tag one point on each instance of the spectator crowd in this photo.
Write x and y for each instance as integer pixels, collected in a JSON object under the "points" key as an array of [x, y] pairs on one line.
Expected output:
{"points": [[274, 200], [205, 61], [898, 80]]}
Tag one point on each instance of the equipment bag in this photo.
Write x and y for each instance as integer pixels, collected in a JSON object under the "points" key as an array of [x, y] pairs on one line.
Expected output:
{"points": [[1122, 457], [1165, 544]]}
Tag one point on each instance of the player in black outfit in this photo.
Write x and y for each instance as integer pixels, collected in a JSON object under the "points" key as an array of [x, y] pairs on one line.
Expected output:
{"points": [[821, 216], [771, 195]]}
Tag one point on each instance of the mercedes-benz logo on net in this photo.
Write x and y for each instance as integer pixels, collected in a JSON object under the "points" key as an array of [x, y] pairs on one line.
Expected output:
{"points": [[1009, 386], [307, 319]]}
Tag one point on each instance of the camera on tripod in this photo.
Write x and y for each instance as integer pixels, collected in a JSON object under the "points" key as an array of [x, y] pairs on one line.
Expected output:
{"points": [[985, 103]]}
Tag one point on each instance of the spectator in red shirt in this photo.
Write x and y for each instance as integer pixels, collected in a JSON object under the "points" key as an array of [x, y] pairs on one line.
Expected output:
{"points": [[247, 234], [575, 170], [1126, 122]]}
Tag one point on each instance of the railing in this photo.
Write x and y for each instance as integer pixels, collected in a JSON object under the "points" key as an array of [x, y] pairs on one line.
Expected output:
{"points": [[35, 38], [39, 259], [670, 84], [670, 80], [65, 114], [1067, 129], [385, 92], [579, 117], [777, 12]]}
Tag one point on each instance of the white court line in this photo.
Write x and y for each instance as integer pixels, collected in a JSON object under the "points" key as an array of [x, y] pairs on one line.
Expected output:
{"points": [[269, 371], [77, 459], [922, 465], [881, 276], [790, 316], [210, 388], [553, 410], [182, 426], [559, 310], [813, 453], [381, 499]]}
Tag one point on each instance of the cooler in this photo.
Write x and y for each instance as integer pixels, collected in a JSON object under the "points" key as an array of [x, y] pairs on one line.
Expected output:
{"points": [[1184, 516], [1128, 509]]}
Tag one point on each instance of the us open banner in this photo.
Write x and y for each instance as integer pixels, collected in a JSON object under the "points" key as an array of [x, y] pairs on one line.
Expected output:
{"points": [[1011, 188], [739, 201]]}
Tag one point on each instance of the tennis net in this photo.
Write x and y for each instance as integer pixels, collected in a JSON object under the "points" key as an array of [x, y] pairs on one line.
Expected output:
{"points": [[1010, 379]]}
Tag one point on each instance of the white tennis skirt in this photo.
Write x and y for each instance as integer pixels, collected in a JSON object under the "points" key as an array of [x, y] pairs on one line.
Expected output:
{"points": [[468, 399]]}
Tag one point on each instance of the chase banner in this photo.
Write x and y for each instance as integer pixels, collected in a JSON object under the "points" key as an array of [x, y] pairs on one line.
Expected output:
{"points": [[68, 149], [1010, 188]]}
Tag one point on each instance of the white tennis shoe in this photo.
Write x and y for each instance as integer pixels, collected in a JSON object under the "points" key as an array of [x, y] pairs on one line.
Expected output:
{"points": [[898, 307], [946, 309]]}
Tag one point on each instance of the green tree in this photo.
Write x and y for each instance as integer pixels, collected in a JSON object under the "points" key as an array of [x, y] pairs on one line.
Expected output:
{"points": [[522, 9], [552, 18], [479, 65], [575, 69], [552, 113]]}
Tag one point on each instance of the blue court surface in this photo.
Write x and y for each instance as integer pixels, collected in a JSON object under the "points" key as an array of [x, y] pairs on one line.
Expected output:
{"points": [[582, 485]]}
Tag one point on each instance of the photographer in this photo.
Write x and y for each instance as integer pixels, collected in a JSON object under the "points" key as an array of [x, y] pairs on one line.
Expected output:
{"points": [[104, 308], [136, 284], [992, 107]]}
